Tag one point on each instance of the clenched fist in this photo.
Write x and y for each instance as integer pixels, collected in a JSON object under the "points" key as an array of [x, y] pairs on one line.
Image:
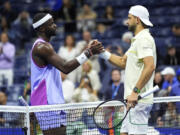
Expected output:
{"points": [[95, 47]]}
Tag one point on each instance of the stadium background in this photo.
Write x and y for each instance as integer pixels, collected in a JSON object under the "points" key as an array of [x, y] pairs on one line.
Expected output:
{"points": [[164, 14]]}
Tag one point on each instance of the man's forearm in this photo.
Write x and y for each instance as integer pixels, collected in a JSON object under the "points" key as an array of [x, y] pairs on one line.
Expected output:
{"points": [[117, 61], [145, 76], [114, 59]]}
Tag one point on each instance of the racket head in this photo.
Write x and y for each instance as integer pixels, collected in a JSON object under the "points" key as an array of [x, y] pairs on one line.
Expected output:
{"points": [[110, 114]]}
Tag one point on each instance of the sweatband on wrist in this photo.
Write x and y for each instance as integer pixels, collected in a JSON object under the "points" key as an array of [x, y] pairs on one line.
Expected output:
{"points": [[81, 58], [87, 53], [105, 55]]}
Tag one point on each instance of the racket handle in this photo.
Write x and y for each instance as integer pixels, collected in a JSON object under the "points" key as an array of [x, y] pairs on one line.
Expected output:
{"points": [[23, 101], [147, 93]]}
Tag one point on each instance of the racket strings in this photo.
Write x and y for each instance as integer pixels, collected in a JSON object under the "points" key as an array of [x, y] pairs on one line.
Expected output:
{"points": [[109, 116]]}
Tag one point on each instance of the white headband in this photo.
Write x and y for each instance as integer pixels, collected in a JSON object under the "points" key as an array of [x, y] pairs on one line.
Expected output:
{"points": [[41, 21]]}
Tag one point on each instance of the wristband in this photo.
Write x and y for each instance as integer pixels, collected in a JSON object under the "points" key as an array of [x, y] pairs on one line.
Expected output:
{"points": [[88, 53], [81, 58], [105, 55]]}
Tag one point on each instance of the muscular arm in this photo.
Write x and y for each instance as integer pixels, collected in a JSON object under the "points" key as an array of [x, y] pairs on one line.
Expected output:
{"points": [[146, 74], [118, 61], [45, 52]]}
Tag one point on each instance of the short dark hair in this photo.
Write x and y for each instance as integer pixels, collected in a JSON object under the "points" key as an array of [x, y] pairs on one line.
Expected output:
{"points": [[170, 46], [144, 25], [115, 69], [37, 17]]}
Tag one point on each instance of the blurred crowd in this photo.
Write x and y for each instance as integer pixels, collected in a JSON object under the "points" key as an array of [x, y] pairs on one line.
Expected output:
{"points": [[96, 79]]}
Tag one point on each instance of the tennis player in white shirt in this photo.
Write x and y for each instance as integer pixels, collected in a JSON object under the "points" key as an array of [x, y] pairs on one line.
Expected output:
{"points": [[139, 62]]}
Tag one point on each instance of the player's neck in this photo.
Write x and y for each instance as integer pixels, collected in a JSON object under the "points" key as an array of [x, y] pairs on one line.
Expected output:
{"points": [[138, 29], [44, 37]]}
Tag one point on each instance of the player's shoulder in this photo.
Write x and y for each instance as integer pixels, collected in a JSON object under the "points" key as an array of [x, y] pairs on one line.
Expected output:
{"points": [[146, 38], [43, 48]]}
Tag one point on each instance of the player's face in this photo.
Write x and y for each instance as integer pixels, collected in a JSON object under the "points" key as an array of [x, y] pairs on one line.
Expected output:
{"points": [[131, 23], [51, 28]]}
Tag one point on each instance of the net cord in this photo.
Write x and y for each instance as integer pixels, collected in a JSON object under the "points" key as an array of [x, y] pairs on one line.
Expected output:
{"points": [[23, 109]]}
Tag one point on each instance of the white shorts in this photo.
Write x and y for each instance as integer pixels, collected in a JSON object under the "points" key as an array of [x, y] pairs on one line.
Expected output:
{"points": [[136, 121]]}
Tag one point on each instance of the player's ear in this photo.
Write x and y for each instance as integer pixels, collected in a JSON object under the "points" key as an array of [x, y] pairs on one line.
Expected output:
{"points": [[41, 29], [138, 21]]}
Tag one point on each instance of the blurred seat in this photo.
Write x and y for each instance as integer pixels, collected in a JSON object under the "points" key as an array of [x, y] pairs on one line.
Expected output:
{"points": [[21, 71], [121, 13], [14, 92]]}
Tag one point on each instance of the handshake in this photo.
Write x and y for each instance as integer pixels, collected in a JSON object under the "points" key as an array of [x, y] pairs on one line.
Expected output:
{"points": [[93, 48]]}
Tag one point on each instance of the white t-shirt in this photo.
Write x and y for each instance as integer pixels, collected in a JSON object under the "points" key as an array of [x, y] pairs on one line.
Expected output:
{"points": [[66, 54], [93, 76], [68, 90], [69, 55], [142, 45]]}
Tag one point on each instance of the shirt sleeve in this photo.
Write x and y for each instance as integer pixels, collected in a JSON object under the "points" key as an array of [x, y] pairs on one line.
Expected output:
{"points": [[126, 53], [144, 48], [9, 52]]}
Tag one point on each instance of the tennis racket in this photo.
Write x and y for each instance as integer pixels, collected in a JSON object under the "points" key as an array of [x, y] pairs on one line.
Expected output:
{"points": [[110, 114]]}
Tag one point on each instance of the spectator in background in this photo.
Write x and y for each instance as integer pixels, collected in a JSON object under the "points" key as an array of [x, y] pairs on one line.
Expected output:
{"points": [[109, 15], [4, 25], [88, 70], [8, 120], [159, 122], [101, 29], [86, 19], [169, 78], [8, 12], [170, 116], [176, 35], [115, 90], [158, 79], [172, 58], [126, 40], [3, 101], [7, 54], [69, 52], [3, 98], [22, 27], [126, 37], [86, 39], [81, 45], [175, 91], [68, 14], [68, 88], [85, 91], [157, 109], [176, 30]]}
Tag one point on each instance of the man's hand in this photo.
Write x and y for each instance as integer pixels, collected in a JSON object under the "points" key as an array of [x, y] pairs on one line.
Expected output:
{"points": [[132, 100], [95, 47]]}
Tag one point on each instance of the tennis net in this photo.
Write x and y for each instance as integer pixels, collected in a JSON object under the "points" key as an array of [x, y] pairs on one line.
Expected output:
{"points": [[78, 119]]}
